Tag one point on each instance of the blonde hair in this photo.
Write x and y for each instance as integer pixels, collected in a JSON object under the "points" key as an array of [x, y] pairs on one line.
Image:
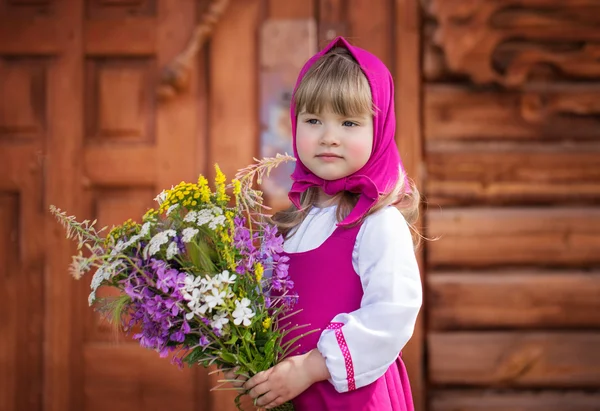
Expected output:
{"points": [[337, 82]]}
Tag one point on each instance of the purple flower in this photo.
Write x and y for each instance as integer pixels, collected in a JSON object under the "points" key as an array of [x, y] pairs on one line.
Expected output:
{"points": [[156, 306], [204, 341], [177, 361]]}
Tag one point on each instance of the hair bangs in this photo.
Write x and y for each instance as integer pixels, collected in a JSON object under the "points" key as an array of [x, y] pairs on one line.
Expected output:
{"points": [[335, 82]]}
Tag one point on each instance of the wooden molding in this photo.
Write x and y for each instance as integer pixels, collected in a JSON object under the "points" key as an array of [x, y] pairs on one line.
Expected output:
{"points": [[175, 76], [511, 42]]}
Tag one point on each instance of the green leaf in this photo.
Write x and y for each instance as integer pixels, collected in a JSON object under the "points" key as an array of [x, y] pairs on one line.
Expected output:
{"points": [[228, 357], [232, 340]]}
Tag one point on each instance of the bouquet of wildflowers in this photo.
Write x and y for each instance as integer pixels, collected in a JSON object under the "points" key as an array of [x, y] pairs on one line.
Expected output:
{"points": [[202, 278]]}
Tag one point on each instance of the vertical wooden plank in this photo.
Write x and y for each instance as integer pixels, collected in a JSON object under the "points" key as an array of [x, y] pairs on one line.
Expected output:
{"points": [[373, 33], [290, 9], [332, 21], [9, 278], [181, 128], [407, 73], [233, 110], [177, 118], [62, 354]]}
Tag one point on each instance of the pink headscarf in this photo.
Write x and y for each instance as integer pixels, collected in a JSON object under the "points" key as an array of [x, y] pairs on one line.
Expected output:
{"points": [[380, 174]]}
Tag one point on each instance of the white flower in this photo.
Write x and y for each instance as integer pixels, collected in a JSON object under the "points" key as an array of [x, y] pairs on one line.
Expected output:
{"points": [[210, 283], [227, 278], [159, 239], [203, 217], [172, 250], [92, 298], [120, 246], [242, 314], [188, 234], [217, 221], [172, 208], [160, 198], [215, 298], [219, 320], [134, 239], [190, 282], [103, 273], [191, 217], [145, 229]]}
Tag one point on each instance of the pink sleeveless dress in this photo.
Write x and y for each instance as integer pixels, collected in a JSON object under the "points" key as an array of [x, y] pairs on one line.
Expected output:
{"points": [[327, 285]]}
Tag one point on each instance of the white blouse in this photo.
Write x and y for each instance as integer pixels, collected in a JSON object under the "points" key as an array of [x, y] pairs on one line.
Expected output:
{"points": [[384, 259]]}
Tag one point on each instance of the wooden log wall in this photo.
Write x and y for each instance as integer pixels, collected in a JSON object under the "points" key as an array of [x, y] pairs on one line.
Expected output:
{"points": [[511, 121]]}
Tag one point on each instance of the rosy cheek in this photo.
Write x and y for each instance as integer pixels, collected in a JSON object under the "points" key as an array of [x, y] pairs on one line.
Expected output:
{"points": [[304, 148], [359, 151]]}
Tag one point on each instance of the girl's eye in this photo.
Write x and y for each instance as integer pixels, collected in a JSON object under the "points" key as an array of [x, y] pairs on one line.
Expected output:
{"points": [[349, 124], [312, 121]]}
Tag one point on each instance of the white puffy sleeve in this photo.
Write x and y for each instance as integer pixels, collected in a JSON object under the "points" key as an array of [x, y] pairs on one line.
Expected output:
{"points": [[360, 346]]}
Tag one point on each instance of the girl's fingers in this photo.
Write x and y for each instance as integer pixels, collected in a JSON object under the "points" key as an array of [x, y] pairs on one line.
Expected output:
{"points": [[260, 389], [267, 400], [240, 380], [259, 378]]}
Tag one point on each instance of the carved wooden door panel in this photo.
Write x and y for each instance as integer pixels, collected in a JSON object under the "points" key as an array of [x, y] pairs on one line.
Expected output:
{"points": [[81, 127]]}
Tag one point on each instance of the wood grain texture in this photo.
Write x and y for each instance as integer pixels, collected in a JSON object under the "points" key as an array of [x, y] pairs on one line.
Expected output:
{"points": [[487, 237], [548, 112], [512, 173], [63, 385], [290, 9], [332, 21], [515, 359], [374, 33], [513, 299], [406, 71], [512, 43], [486, 400], [233, 108]]}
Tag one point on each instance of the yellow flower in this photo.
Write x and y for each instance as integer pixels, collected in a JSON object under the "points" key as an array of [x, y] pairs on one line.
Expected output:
{"points": [[237, 187], [127, 229], [259, 270], [220, 185], [150, 215], [267, 323], [188, 194], [204, 190]]}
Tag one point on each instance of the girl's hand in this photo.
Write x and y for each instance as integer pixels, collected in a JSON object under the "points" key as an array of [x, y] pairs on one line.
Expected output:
{"points": [[287, 380], [230, 374]]}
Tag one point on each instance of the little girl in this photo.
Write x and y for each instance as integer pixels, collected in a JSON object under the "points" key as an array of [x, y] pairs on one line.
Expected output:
{"points": [[347, 236]]}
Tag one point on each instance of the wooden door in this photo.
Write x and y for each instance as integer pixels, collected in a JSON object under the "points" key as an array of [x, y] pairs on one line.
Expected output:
{"points": [[81, 127]]}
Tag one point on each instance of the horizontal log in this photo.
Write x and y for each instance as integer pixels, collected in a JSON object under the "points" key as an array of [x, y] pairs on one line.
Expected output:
{"points": [[555, 112], [129, 37], [514, 359], [483, 237], [27, 36], [120, 166], [512, 173], [521, 299], [478, 400]]}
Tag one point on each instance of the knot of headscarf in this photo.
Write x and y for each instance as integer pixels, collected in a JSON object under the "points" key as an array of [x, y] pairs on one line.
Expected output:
{"points": [[380, 174], [359, 184]]}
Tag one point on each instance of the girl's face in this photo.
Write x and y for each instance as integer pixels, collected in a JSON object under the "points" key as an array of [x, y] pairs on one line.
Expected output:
{"points": [[334, 146]]}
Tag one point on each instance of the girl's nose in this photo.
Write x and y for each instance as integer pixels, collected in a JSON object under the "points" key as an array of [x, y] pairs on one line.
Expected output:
{"points": [[328, 138]]}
